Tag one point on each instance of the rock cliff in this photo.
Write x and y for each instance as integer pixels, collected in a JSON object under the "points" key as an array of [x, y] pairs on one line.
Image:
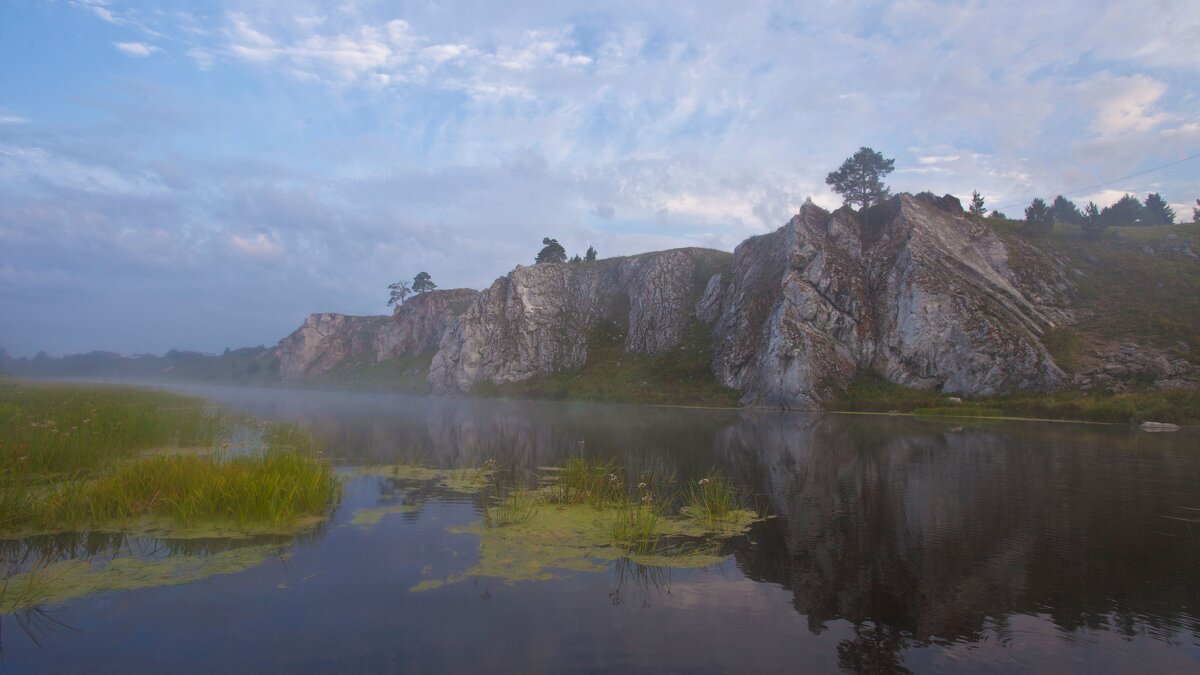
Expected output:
{"points": [[323, 341], [417, 325], [536, 320], [910, 289]]}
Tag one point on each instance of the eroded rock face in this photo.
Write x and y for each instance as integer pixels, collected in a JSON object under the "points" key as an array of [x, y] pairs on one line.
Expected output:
{"points": [[325, 340], [417, 326], [909, 289], [535, 320]]}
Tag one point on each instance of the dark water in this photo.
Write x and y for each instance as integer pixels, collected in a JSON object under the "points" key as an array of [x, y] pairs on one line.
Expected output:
{"points": [[899, 544]]}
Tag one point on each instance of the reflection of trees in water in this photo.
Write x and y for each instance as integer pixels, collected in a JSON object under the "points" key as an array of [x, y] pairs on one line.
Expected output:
{"points": [[917, 532]]}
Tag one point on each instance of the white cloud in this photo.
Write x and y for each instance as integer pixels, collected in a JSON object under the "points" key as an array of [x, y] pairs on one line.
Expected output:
{"points": [[445, 52], [99, 8], [202, 57], [12, 119], [1126, 104], [136, 49], [260, 246]]}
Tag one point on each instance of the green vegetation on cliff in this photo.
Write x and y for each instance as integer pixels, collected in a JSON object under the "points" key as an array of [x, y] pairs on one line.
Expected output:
{"points": [[1135, 283], [682, 376]]}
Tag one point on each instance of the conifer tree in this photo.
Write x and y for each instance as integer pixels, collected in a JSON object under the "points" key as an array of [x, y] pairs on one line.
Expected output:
{"points": [[860, 178]]}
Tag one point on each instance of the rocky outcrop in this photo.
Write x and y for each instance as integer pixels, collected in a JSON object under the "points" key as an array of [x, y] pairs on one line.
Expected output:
{"points": [[1124, 367], [536, 320], [910, 289], [325, 340], [417, 325]]}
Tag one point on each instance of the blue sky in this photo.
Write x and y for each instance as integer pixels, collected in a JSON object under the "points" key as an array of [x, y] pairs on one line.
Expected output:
{"points": [[203, 175]]}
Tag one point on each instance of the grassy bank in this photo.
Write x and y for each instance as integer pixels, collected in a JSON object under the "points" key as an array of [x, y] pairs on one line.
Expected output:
{"points": [[871, 393], [1133, 283], [682, 376], [81, 457]]}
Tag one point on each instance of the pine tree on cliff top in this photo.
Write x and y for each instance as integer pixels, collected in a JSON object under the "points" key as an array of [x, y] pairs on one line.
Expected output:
{"points": [[860, 178], [977, 209], [423, 283], [552, 252]]}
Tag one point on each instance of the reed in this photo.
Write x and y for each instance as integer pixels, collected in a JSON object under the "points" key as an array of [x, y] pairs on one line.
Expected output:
{"points": [[636, 527], [710, 500], [512, 507], [583, 481]]}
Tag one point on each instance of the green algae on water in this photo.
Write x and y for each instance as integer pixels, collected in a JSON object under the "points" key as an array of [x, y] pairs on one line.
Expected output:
{"points": [[578, 537], [371, 516], [66, 580], [464, 481]]}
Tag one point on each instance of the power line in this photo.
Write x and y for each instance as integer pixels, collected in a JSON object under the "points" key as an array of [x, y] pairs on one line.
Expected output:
{"points": [[1076, 191]]}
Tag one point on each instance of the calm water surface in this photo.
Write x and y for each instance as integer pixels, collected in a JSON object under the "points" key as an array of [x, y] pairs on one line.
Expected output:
{"points": [[897, 544]]}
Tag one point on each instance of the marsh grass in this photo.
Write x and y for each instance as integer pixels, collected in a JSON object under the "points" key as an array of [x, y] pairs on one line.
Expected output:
{"points": [[636, 526], [273, 487], [513, 507], [59, 428], [584, 481], [710, 500], [82, 462]]}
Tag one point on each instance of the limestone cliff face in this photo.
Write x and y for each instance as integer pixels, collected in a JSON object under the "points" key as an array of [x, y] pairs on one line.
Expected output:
{"points": [[325, 340], [535, 320], [417, 326], [910, 289]]}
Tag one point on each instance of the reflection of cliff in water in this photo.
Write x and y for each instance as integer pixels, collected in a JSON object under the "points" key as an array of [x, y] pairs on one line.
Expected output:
{"points": [[449, 432], [921, 531]]}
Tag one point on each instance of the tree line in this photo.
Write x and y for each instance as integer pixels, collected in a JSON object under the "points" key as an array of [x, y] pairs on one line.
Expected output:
{"points": [[1040, 217], [859, 181]]}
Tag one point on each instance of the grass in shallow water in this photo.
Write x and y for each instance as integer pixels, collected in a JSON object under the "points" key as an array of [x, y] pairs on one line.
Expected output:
{"points": [[584, 518], [63, 428], [98, 471], [710, 500]]}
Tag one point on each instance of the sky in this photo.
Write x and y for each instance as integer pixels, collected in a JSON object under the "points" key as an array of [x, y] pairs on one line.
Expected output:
{"points": [[203, 175]]}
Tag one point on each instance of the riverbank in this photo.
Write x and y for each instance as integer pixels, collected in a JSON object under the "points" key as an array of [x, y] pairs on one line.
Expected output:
{"points": [[876, 395]]}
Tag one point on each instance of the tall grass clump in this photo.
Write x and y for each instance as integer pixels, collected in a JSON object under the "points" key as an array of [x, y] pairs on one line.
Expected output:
{"points": [[273, 487], [636, 526], [513, 507], [710, 500], [583, 481]]}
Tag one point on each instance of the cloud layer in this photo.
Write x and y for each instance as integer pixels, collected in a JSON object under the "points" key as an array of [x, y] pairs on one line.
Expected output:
{"points": [[259, 160]]}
